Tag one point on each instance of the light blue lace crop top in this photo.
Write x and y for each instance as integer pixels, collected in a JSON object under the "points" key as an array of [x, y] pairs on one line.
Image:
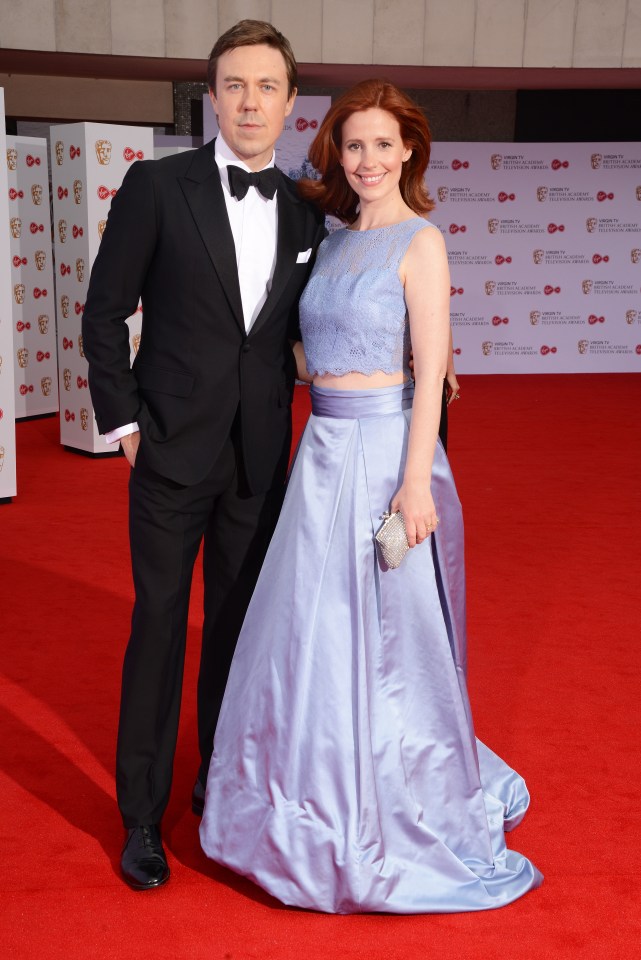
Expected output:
{"points": [[353, 314]]}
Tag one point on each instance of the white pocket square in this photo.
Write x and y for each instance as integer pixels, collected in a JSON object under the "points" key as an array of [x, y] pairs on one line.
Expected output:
{"points": [[304, 256]]}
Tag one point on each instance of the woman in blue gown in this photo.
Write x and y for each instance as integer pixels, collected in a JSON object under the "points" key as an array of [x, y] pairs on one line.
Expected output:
{"points": [[346, 776]]}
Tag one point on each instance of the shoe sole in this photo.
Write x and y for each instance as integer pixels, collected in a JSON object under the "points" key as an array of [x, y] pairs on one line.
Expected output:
{"points": [[140, 887]]}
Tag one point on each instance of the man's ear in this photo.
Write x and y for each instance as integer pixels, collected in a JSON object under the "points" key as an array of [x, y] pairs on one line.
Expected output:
{"points": [[290, 102]]}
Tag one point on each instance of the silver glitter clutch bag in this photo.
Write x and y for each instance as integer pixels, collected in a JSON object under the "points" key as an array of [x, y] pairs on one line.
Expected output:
{"points": [[392, 539]]}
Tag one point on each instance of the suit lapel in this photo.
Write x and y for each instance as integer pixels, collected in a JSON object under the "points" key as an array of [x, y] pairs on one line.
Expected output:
{"points": [[204, 193], [290, 239]]}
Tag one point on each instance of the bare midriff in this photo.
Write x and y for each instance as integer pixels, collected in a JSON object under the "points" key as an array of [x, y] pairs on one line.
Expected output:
{"points": [[359, 381]]}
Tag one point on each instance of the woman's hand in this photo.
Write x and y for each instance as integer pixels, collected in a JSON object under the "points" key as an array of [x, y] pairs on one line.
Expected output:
{"points": [[414, 500], [451, 387], [301, 366]]}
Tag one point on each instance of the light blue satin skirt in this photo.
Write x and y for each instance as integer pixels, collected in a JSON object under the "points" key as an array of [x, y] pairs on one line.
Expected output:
{"points": [[346, 776]]}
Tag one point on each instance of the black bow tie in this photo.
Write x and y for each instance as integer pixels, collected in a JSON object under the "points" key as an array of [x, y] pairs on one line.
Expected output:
{"points": [[266, 181]]}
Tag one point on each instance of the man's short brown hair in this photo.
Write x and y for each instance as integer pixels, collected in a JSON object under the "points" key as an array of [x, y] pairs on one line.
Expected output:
{"points": [[249, 33]]}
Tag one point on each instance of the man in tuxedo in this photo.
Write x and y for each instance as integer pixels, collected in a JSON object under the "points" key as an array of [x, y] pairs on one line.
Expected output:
{"points": [[218, 245]]}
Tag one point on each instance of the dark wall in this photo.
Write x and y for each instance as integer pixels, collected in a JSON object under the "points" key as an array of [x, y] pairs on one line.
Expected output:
{"points": [[577, 115]]}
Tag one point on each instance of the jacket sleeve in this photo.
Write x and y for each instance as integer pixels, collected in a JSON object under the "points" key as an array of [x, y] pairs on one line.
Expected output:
{"points": [[116, 284]]}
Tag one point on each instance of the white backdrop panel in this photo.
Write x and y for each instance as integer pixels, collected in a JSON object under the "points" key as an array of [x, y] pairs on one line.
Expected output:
{"points": [[7, 398], [545, 254], [34, 327]]}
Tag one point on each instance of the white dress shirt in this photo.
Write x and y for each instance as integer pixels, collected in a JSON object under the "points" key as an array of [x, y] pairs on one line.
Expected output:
{"points": [[254, 226]]}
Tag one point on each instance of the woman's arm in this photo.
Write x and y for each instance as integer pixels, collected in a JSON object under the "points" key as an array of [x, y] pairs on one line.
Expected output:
{"points": [[451, 383], [425, 273]]}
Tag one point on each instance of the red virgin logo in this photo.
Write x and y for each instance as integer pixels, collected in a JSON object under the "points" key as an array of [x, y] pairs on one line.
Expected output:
{"points": [[302, 124]]}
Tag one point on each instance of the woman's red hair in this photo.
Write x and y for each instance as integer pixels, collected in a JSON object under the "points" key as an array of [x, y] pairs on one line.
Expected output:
{"points": [[332, 193]]}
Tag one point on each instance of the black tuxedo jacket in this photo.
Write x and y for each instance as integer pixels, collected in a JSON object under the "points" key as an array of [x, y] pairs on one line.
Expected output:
{"points": [[168, 240]]}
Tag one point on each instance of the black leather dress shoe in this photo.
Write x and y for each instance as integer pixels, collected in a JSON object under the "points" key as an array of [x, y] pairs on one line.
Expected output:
{"points": [[143, 861], [198, 799]]}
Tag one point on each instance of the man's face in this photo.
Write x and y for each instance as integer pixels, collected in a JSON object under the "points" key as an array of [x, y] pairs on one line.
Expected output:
{"points": [[252, 101]]}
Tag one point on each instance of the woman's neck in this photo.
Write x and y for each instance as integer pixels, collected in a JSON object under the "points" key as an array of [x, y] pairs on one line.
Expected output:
{"points": [[378, 214]]}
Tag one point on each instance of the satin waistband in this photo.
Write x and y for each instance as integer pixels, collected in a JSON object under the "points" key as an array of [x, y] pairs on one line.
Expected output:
{"points": [[358, 404]]}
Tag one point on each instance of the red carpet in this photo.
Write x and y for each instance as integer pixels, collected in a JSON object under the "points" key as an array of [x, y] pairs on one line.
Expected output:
{"points": [[549, 472]]}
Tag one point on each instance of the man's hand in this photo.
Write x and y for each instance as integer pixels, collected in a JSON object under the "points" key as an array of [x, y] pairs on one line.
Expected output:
{"points": [[130, 445]]}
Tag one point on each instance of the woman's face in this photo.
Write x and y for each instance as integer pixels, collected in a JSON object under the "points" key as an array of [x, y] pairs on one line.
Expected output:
{"points": [[372, 153]]}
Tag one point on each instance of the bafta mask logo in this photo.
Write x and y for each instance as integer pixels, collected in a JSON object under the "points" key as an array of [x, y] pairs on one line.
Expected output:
{"points": [[84, 418], [45, 386], [12, 158], [496, 161], [591, 224], [60, 152], [442, 193], [101, 227], [135, 342], [487, 347], [583, 346], [586, 286], [635, 255], [81, 349], [64, 305], [630, 316], [80, 269], [15, 226], [62, 230], [43, 323], [36, 193], [18, 293], [77, 191], [493, 225], [103, 152], [66, 378], [23, 357], [542, 194], [490, 287], [41, 259], [535, 316], [596, 160], [538, 255]]}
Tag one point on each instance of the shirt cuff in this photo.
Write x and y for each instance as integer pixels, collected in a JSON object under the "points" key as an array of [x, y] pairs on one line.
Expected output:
{"points": [[113, 435]]}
